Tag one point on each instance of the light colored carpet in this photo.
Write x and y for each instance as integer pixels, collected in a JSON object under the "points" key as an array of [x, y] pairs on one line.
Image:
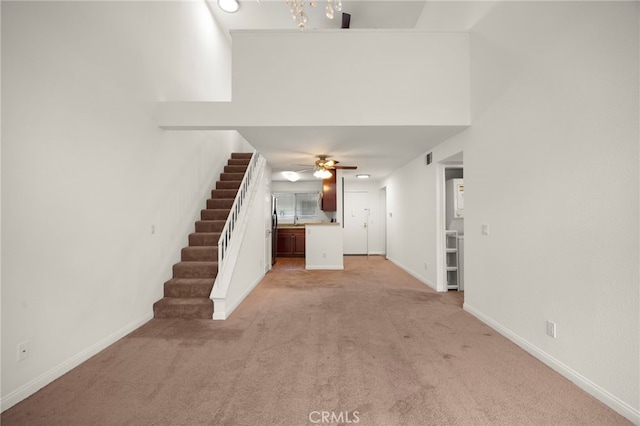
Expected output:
{"points": [[369, 343]]}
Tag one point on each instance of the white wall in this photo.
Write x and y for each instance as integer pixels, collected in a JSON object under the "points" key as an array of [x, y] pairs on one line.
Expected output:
{"points": [[412, 224], [86, 172], [328, 77], [551, 165]]}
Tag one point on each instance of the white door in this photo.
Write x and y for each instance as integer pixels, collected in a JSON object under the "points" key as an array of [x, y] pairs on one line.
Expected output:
{"points": [[356, 222]]}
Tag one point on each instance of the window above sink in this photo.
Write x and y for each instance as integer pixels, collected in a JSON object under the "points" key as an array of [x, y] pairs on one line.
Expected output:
{"points": [[295, 207]]}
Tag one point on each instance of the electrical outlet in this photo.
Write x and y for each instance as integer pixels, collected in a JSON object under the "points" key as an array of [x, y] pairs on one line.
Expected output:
{"points": [[153, 229], [425, 265], [324, 255], [484, 229], [551, 329], [23, 351]]}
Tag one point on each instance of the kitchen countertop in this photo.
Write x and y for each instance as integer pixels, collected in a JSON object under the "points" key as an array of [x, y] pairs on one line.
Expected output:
{"points": [[302, 225]]}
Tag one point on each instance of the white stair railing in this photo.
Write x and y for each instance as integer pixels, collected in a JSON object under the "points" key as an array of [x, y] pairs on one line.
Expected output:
{"points": [[238, 202], [231, 236]]}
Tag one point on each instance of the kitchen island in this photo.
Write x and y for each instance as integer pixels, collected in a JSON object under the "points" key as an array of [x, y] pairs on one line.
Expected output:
{"points": [[320, 243], [323, 246]]}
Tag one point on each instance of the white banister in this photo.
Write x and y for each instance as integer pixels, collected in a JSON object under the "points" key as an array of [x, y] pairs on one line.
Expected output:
{"points": [[229, 240], [229, 226]]}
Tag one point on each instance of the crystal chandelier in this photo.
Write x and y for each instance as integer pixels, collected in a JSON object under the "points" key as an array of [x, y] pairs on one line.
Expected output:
{"points": [[300, 16]]}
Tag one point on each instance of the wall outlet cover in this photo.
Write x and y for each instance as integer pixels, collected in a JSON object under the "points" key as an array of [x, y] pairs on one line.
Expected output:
{"points": [[23, 351]]}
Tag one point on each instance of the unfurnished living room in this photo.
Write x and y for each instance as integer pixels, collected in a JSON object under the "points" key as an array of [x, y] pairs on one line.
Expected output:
{"points": [[242, 213]]}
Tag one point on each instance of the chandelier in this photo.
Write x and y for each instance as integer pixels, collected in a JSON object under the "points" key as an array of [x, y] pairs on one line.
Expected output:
{"points": [[300, 16]]}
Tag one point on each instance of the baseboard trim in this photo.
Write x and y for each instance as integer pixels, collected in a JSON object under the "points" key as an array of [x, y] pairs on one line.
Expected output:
{"points": [[223, 314], [328, 267], [38, 383], [582, 382], [412, 273]]}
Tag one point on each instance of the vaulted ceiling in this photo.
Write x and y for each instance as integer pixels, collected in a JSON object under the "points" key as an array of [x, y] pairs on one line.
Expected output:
{"points": [[372, 149]]}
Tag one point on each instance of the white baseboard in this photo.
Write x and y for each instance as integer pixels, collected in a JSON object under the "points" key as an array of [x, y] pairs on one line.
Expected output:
{"points": [[582, 382], [38, 383], [412, 273], [319, 267], [229, 309]]}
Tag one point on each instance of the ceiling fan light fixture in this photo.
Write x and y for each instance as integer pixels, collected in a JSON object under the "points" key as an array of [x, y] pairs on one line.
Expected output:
{"points": [[322, 173], [229, 6], [291, 176]]}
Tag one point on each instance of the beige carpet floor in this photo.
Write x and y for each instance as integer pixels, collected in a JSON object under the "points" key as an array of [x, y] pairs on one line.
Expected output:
{"points": [[369, 345]]}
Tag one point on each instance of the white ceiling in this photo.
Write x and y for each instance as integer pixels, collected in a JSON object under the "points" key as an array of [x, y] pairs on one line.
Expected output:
{"points": [[375, 150]]}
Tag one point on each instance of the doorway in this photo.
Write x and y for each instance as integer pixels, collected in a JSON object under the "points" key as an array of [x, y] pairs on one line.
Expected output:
{"points": [[356, 222], [450, 222]]}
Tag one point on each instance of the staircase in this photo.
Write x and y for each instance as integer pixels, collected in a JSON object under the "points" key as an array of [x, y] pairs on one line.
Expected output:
{"points": [[186, 295]]}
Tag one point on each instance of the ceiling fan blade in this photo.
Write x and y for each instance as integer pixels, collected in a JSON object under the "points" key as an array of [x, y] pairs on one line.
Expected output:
{"points": [[345, 167]]}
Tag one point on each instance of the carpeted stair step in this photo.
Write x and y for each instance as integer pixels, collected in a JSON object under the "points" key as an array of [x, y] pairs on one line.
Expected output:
{"points": [[199, 254], [235, 169], [220, 203], [238, 161], [241, 155], [210, 225], [232, 176], [224, 193], [188, 287], [204, 239], [214, 214], [178, 307], [228, 184], [195, 270]]}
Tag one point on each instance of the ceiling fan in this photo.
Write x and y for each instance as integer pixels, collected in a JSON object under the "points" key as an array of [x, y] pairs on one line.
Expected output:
{"points": [[323, 166]]}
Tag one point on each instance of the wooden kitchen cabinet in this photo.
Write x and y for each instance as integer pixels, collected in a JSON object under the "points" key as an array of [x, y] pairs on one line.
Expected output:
{"points": [[299, 244], [330, 193], [285, 243], [291, 242]]}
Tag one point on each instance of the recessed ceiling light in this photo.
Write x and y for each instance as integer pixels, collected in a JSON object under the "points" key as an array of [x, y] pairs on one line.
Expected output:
{"points": [[363, 176], [229, 6]]}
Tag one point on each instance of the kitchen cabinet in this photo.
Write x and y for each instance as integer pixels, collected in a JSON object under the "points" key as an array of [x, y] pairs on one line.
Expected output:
{"points": [[330, 193], [291, 242]]}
